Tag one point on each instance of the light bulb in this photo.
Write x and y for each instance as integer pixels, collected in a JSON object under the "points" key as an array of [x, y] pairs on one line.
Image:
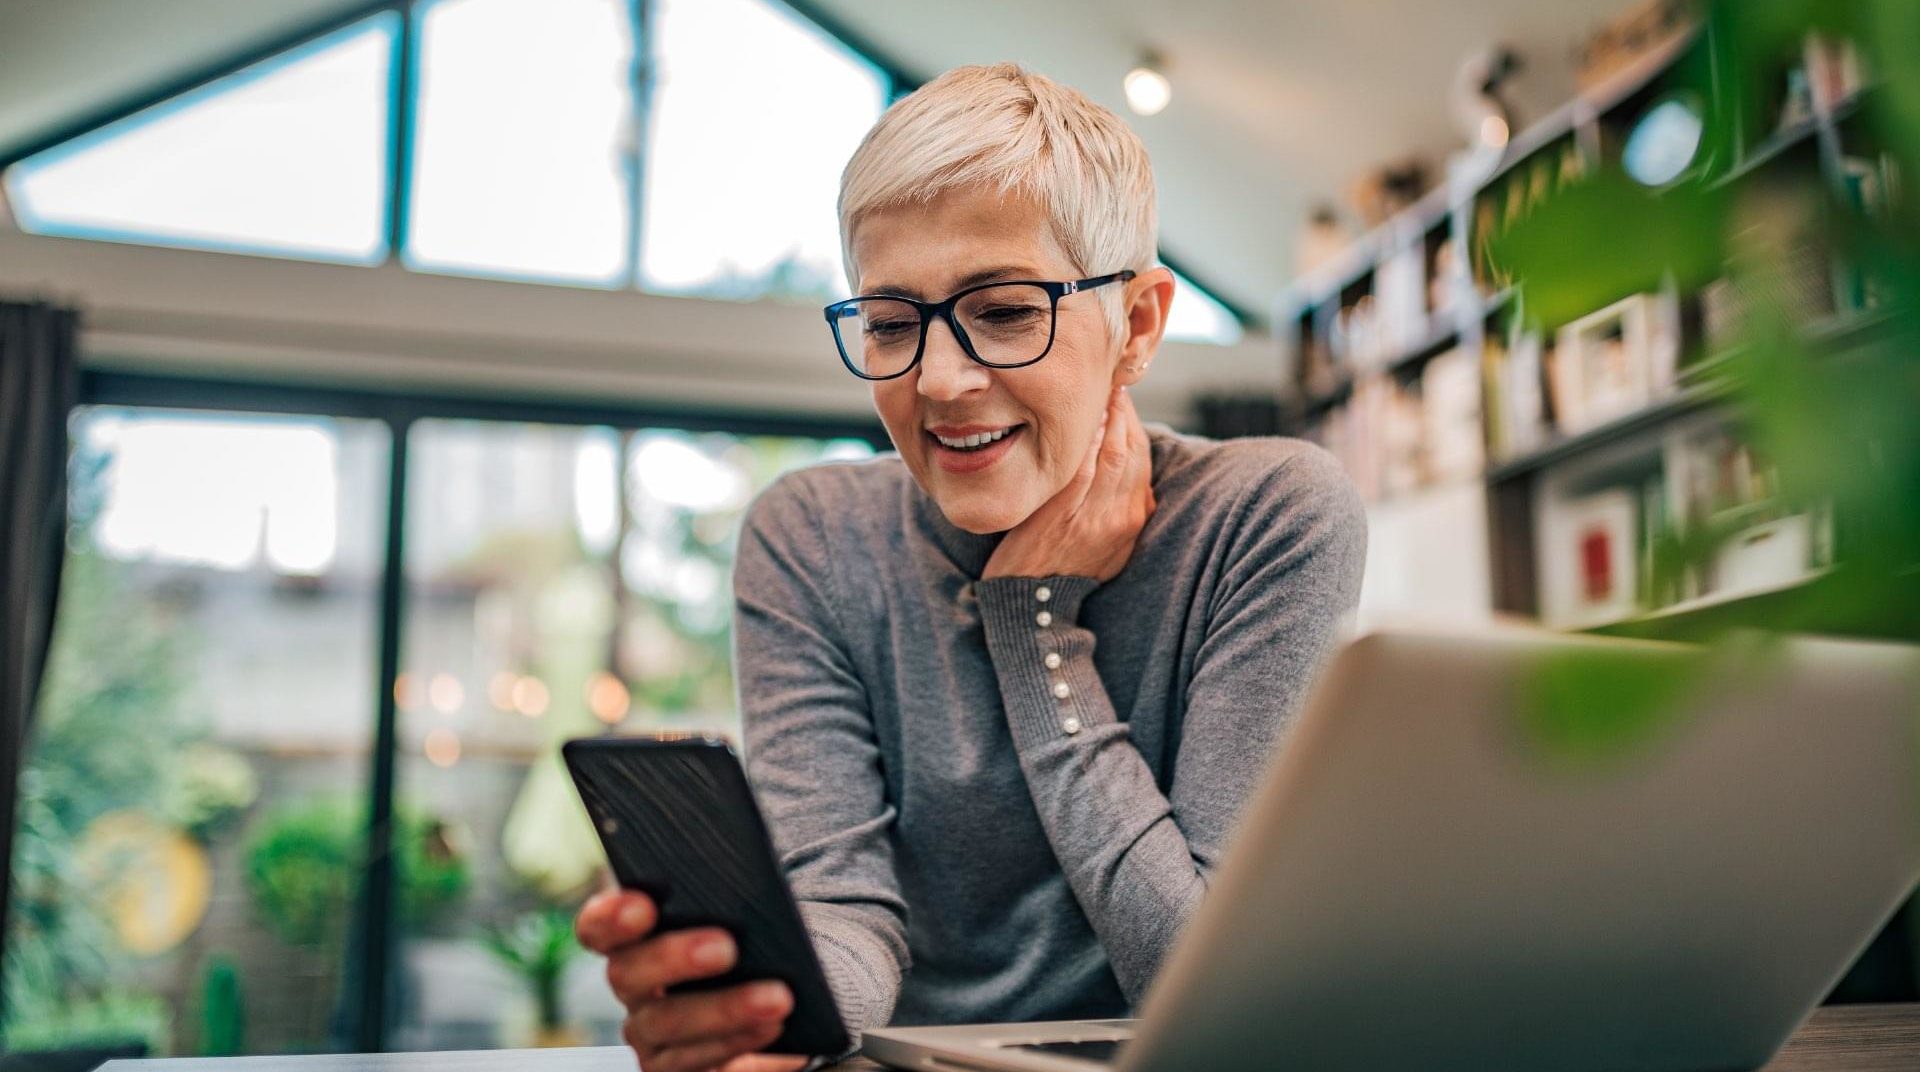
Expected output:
{"points": [[1493, 132], [1148, 91]]}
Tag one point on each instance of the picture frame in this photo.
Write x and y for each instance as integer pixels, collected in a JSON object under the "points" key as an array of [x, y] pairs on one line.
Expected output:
{"points": [[1589, 570], [1611, 363]]}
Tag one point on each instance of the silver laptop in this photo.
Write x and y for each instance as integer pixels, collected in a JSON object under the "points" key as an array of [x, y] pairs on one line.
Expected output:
{"points": [[1522, 850]]}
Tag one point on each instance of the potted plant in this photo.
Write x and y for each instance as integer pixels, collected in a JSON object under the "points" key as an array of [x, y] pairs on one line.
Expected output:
{"points": [[537, 947]]}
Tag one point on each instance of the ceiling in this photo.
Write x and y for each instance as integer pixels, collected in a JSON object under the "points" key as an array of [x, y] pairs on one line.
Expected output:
{"points": [[1277, 105]]}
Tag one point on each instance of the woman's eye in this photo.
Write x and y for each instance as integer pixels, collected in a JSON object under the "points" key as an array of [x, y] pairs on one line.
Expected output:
{"points": [[888, 328], [1009, 314]]}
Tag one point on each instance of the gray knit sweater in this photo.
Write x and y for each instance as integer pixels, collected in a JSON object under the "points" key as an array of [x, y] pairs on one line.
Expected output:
{"points": [[976, 829]]}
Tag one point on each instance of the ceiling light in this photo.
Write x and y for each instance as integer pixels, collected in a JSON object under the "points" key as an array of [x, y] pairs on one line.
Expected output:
{"points": [[1494, 132], [1148, 91]]}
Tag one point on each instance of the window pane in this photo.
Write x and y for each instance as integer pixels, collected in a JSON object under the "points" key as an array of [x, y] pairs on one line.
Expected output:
{"points": [[288, 157], [550, 598], [192, 824], [1197, 316], [521, 148], [754, 114]]}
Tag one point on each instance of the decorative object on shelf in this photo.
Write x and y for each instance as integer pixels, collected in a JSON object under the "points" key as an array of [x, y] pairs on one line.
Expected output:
{"points": [[1664, 145], [1640, 30], [1736, 533], [1587, 560], [1447, 281], [1835, 72], [1400, 295], [1450, 391], [1612, 362], [1481, 114], [1322, 239], [1518, 419], [1387, 189]]}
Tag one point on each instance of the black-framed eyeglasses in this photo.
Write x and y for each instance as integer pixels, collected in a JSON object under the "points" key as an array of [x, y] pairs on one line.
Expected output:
{"points": [[1005, 325]]}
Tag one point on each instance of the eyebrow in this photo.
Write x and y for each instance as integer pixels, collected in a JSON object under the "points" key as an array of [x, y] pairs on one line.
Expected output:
{"points": [[985, 275]]}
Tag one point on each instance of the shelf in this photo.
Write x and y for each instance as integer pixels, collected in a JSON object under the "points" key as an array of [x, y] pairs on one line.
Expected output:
{"points": [[1823, 601], [1701, 387], [1439, 339], [1678, 404], [1771, 148]]}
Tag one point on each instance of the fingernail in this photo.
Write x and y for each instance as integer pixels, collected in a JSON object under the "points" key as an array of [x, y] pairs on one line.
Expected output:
{"points": [[633, 917], [767, 998], [714, 953]]}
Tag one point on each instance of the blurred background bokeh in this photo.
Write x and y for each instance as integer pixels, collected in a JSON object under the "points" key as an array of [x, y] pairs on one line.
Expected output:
{"points": [[430, 350]]}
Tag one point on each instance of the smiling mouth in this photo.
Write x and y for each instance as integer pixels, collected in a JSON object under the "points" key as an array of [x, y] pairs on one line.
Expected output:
{"points": [[970, 443]]}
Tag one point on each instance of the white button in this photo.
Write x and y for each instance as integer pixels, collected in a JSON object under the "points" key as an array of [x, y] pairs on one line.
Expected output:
{"points": [[1043, 593], [1053, 660], [1071, 725], [1043, 619], [1061, 690]]}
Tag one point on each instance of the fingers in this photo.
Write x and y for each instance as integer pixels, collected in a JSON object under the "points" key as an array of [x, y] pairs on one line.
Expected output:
{"points": [[713, 1053], [677, 1019], [614, 918], [764, 1062], [1119, 448], [640, 972], [1139, 454], [705, 1029]]}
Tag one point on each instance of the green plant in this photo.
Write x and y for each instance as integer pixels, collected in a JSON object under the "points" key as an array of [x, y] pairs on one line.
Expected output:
{"points": [[104, 1018], [222, 1012], [537, 946], [112, 712], [1839, 421], [306, 861]]}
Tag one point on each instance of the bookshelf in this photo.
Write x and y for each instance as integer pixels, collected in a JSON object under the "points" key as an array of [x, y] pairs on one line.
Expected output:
{"points": [[1585, 468]]}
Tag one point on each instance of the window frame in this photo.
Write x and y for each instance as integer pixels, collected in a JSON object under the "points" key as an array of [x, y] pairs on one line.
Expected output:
{"points": [[372, 950], [404, 83]]}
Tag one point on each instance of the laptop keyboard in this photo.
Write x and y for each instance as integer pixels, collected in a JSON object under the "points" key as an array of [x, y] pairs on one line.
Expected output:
{"points": [[1105, 1051]]}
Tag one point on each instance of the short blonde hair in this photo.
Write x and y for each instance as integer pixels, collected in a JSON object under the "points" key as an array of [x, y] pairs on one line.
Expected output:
{"points": [[1017, 132]]}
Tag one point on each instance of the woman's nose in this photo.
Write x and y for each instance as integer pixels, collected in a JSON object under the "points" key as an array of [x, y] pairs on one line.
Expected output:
{"points": [[946, 372]]}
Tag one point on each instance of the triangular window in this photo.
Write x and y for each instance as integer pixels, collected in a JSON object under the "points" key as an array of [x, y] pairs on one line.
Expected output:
{"points": [[288, 157]]}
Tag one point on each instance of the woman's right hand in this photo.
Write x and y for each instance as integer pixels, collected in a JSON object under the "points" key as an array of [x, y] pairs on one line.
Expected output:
{"points": [[689, 1032]]}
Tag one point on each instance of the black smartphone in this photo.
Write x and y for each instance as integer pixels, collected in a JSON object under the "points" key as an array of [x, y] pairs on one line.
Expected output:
{"points": [[679, 823]]}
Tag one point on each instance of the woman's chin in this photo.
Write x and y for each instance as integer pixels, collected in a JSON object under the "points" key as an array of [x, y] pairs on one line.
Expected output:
{"points": [[981, 514]]}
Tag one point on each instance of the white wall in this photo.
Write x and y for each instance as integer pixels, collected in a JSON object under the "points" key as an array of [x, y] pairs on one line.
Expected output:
{"points": [[1427, 559], [260, 318]]}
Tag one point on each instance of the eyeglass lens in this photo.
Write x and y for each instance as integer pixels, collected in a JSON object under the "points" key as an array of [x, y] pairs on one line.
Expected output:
{"points": [[1007, 325]]}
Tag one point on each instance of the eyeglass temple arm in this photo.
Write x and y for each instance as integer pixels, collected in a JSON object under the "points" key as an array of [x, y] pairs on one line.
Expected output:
{"points": [[1097, 281]]}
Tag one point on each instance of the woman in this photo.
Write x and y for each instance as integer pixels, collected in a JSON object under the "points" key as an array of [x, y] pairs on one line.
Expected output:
{"points": [[1005, 692]]}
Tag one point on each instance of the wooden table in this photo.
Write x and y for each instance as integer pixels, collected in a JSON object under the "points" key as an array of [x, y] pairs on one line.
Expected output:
{"points": [[1845, 1038]]}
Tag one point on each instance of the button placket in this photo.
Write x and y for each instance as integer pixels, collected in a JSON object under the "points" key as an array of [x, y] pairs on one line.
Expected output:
{"points": [[1061, 690]]}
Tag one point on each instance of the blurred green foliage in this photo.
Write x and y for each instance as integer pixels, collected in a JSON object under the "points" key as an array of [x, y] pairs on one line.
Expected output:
{"points": [[223, 1014], [537, 947], [1602, 704], [305, 863], [1836, 407], [111, 714], [1840, 417]]}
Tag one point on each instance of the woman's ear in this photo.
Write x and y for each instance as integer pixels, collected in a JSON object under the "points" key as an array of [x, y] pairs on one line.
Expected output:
{"points": [[1148, 297]]}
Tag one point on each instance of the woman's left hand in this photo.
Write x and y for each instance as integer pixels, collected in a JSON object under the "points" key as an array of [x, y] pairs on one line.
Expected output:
{"points": [[1089, 528]]}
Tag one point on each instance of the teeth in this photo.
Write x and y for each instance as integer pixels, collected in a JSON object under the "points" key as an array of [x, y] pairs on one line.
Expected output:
{"points": [[972, 442]]}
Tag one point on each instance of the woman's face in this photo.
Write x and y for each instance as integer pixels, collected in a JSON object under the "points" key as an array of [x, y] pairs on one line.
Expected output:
{"points": [[1049, 410]]}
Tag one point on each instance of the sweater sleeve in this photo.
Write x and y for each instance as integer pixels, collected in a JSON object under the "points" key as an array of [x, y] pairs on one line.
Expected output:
{"points": [[1138, 860], [812, 755]]}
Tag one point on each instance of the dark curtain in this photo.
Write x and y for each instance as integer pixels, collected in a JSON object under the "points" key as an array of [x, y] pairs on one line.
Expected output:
{"points": [[39, 385]]}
